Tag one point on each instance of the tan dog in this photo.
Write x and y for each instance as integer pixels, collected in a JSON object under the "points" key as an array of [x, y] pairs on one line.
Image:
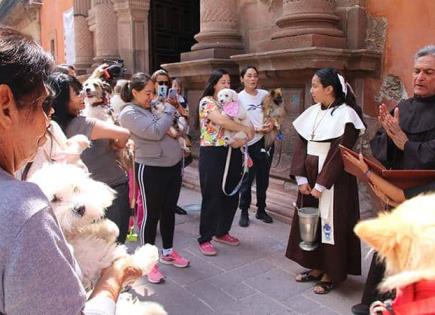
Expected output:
{"points": [[274, 110], [405, 238]]}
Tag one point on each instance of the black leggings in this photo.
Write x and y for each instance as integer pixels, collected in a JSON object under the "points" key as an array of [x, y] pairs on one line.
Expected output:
{"points": [[217, 209], [119, 212], [160, 187]]}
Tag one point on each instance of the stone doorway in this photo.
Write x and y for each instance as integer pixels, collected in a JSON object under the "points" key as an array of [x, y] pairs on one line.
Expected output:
{"points": [[173, 24]]}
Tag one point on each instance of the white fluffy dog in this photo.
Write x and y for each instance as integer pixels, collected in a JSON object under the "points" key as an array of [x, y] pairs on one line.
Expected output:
{"points": [[232, 108], [79, 203]]}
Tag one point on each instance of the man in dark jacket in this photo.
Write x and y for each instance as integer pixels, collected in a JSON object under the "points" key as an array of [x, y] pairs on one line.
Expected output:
{"points": [[405, 141]]}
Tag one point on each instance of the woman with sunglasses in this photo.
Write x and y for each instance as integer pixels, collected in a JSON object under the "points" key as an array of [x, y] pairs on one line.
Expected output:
{"points": [[162, 82], [100, 158]]}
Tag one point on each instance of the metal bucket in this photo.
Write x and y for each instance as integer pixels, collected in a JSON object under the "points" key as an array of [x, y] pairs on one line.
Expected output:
{"points": [[308, 222]]}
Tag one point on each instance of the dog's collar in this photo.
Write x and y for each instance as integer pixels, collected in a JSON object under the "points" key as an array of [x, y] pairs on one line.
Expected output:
{"points": [[102, 102]]}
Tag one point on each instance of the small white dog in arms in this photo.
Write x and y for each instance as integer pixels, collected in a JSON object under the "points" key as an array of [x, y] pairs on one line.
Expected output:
{"points": [[79, 204], [231, 108], [179, 126]]}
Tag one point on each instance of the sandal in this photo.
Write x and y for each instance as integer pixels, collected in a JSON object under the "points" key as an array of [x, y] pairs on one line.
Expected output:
{"points": [[306, 276], [326, 287]]}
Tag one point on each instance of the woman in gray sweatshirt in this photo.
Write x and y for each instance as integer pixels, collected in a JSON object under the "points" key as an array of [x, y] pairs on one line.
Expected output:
{"points": [[158, 166]]}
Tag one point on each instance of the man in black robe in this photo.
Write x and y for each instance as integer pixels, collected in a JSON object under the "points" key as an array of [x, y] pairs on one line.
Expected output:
{"points": [[406, 141]]}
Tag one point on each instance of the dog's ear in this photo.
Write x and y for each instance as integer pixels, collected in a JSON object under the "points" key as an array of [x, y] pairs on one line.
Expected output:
{"points": [[388, 237]]}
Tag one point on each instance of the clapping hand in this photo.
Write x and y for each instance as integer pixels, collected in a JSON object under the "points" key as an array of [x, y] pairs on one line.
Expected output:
{"points": [[391, 125]]}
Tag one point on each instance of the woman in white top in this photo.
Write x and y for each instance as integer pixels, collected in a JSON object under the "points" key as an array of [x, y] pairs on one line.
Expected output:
{"points": [[251, 99]]}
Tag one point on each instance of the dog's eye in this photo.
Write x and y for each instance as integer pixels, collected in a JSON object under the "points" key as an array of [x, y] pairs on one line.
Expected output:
{"points": [[55, 199]]}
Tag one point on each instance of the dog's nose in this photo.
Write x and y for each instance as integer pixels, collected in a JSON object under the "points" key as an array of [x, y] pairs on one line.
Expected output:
{"points": [[79, 210], [88, 90]]}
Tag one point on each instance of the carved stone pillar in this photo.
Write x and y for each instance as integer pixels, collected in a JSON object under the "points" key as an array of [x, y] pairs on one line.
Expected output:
{"points": [[219, 36], [133, 39], [84, 51], [105, 30], [308, 23]]}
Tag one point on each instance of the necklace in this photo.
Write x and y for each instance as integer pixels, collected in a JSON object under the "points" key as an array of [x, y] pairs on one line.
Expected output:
{"points": [[315, 126]]}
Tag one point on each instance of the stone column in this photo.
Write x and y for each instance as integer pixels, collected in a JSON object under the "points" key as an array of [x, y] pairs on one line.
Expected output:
{"points": [[219, 36], [133, 39], [106, 31], [308, 23], [84, 51]]}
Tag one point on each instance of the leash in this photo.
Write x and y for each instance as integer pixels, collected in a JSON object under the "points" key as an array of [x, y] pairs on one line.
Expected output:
{"points": [[133, 195], [227, 166]]}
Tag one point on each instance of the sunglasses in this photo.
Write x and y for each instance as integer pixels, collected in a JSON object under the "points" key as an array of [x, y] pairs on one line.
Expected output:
{"points": [[163, 82]]}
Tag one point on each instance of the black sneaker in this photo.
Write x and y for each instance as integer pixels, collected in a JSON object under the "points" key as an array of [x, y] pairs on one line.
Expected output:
{"points": [[360, 309], [263, 216], [244, 219], [179, 210]]}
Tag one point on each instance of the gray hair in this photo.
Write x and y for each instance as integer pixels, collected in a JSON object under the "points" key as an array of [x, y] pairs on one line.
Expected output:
{"points": [[425, 51]]}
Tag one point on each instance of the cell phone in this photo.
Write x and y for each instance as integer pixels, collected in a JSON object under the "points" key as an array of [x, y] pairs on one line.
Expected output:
{"points": [[172, 93], [162, 91]]}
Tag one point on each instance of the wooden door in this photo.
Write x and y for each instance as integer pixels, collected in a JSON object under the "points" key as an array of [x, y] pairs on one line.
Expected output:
{"points": [[173, 23]]}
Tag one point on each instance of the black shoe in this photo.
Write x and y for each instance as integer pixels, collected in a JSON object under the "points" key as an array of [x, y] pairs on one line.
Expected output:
{"points": [[179, 210], [360, 309], [244, 219], [263, 216]]}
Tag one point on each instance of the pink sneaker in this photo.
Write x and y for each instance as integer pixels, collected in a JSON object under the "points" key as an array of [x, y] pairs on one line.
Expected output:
{"points": [[207, 249], [227, 239], [155, 276], [174, 259]]}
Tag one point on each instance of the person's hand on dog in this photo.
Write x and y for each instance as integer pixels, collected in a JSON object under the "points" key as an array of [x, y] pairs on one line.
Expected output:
{"points": [[120, 143], [250, 132], [128, 270], [238, 143], [304, 189], [267, 127], [173, 102], [99, 71]]}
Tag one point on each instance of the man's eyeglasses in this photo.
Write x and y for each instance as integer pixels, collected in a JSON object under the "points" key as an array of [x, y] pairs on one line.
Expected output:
{"points": [[163, 82]]}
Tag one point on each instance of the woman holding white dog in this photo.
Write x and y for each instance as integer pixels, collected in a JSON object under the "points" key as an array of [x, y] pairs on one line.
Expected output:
{"points": [[251, 99], [158, 167], [217, 209], [39, 272], [322, 182], [100, 158]]}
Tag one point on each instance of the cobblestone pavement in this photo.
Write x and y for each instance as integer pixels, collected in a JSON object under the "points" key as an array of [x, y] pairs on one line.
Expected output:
{"points": [[254, 278]]}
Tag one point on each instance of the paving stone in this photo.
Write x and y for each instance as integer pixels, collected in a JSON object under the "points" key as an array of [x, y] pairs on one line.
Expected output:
{"points": [[258, 304], [178, 301], [210, 295], [302, 305], [277, 284]]}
